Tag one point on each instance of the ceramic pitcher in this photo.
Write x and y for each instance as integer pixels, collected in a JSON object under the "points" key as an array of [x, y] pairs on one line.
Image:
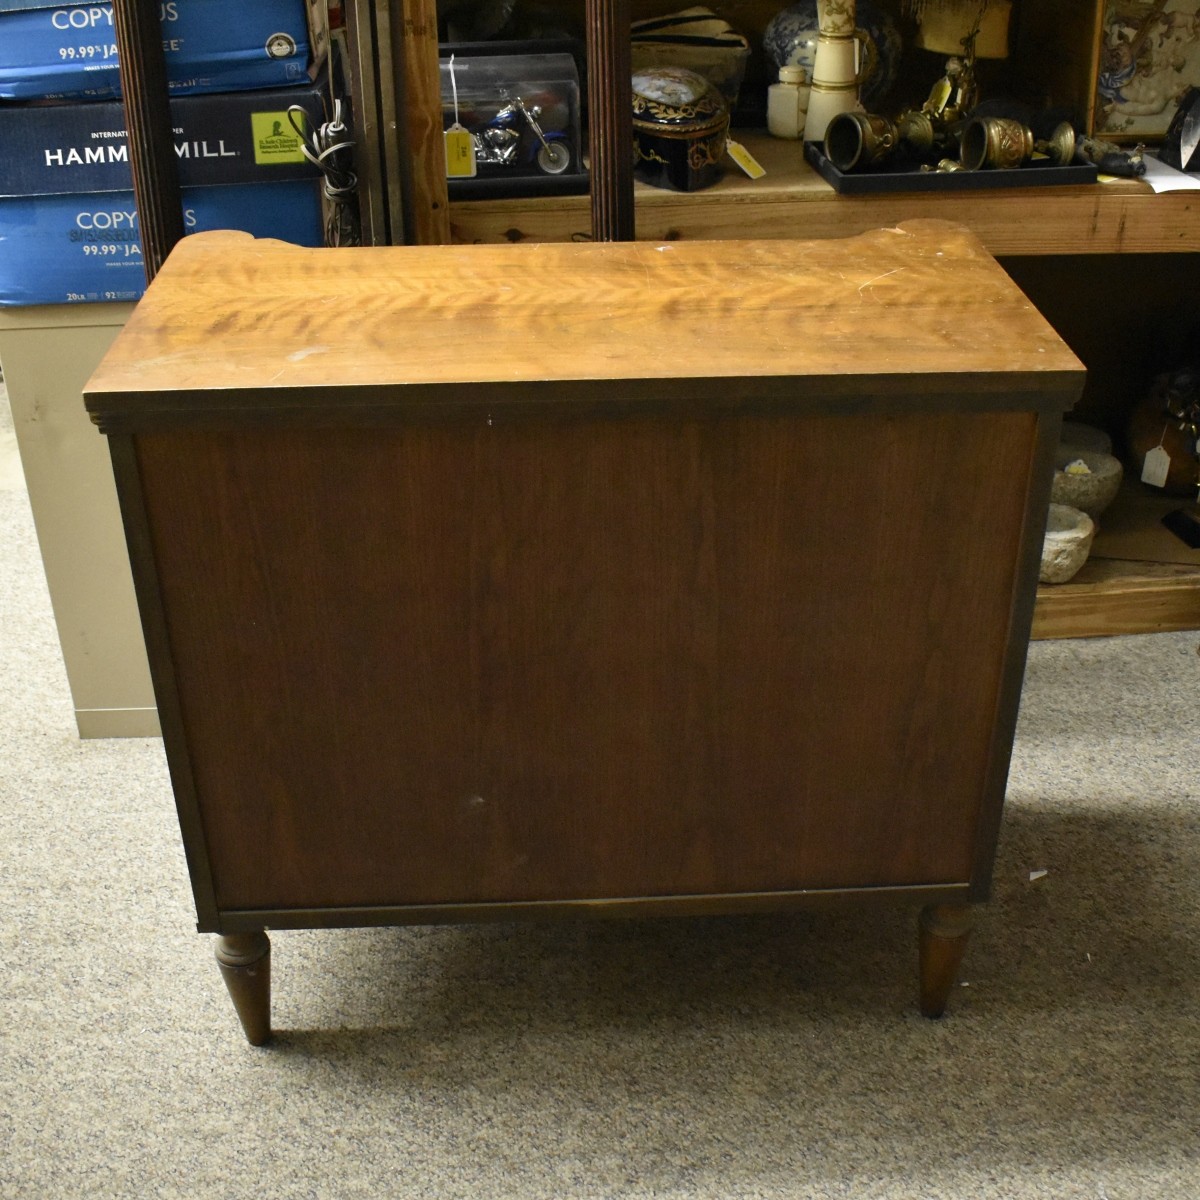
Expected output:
{"points": [[836, 69]]}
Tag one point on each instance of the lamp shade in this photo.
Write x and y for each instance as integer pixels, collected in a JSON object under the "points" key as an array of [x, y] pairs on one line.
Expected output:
{"points": [[943, 24]]}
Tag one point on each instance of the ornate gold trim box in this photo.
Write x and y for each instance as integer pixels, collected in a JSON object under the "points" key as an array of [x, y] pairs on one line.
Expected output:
{"points": [[680, 126]]}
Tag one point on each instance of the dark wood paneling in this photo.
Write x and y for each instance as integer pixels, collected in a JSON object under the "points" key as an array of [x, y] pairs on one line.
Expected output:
{"points": [[610, 119], [418, 132], [557, 660], [162, 669], [143, 71]]}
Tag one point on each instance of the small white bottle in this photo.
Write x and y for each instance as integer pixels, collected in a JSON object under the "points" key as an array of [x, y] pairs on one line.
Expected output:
{"points": [[787, 103]]}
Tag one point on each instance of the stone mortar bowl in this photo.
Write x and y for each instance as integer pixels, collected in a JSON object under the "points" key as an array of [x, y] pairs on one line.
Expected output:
{"points": [[1090, 491], [1067, 542]]}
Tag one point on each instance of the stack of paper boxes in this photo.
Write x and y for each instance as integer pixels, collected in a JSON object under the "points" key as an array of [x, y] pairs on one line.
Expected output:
{"points": [[68, 221]]}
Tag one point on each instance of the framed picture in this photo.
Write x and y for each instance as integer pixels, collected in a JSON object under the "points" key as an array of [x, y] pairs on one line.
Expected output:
{"points": [[1149, 56]]}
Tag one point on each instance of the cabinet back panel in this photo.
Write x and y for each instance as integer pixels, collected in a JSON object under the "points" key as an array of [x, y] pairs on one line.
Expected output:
{"points": [[595, 658]]}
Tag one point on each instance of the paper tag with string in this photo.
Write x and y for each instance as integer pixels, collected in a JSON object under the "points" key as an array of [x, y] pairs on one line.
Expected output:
{"points": [[460, 147], [1157, 464]]}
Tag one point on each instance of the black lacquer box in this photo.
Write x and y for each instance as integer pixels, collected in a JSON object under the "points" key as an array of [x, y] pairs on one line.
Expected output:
{"points": [[680, 126]]}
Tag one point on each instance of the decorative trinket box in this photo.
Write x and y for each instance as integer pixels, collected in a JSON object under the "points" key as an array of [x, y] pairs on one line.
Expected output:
{"points": [[680, 126]]}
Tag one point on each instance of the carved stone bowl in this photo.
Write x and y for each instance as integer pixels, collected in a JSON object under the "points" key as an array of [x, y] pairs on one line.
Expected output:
{"points": [[1067, 543], [1085, 479]]}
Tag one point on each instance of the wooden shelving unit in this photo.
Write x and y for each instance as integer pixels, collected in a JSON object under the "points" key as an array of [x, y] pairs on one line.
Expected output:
{"points": [[792, 200], [1134, 594], [1140, 578], [1113, 595]]}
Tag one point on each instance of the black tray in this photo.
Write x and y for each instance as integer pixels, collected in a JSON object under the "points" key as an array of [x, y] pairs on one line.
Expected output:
{"points": [[1033, 174]]}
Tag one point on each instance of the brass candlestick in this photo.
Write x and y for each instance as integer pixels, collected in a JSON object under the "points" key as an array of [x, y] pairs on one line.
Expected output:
{"points": [[1059, 147]]}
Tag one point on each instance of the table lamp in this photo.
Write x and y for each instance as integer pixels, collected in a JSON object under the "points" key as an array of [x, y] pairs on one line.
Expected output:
{"points": [[964, 30]]}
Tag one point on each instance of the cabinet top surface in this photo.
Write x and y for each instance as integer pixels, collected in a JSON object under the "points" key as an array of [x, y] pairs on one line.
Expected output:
{"points": [[229, 316]]}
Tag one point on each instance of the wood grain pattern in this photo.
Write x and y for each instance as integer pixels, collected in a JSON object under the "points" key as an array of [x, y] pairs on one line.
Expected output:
{"points": [[1110, 597], [722, 607], [920, 309], [593, 658]]}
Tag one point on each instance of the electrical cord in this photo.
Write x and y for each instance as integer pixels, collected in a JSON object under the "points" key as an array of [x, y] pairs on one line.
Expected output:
{"points": [[330, 148]]}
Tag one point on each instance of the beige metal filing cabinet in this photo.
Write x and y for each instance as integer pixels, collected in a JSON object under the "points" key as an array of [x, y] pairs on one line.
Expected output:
{"points": [[47, 354]]}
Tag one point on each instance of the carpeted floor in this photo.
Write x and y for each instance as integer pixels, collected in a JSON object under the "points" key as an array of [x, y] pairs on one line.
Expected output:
{"points": [[767, 1057]]}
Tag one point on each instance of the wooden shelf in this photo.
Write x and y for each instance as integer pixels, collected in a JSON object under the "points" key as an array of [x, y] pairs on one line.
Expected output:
{"points": [[1111, 596], [791, 200], [1140, 578]]}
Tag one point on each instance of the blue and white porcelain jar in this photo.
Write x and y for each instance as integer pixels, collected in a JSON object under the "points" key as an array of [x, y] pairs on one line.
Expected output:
{"points": [[790, 40]]}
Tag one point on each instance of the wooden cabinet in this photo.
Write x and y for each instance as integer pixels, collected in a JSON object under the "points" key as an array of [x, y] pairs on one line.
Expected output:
{"points": [[584, 579]]}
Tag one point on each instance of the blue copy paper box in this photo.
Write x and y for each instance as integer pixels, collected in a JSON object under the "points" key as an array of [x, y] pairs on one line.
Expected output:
{"points": [[68, 222], [68, 50], [106, 262]]}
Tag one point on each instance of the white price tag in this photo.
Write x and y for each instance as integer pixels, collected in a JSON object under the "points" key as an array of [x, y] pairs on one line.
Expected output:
{"points": [[1155, 467]]}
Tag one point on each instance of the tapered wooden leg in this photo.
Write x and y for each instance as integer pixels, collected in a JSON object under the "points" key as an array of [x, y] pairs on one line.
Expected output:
{"points": [[944, 929], [245, 962]]}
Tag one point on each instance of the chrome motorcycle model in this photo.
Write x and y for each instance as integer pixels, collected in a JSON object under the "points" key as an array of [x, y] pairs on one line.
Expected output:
{"points": [[514, 138]]}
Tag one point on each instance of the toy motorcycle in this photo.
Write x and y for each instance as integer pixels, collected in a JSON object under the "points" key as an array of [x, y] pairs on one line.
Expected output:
{"points": [[513, 138]]}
